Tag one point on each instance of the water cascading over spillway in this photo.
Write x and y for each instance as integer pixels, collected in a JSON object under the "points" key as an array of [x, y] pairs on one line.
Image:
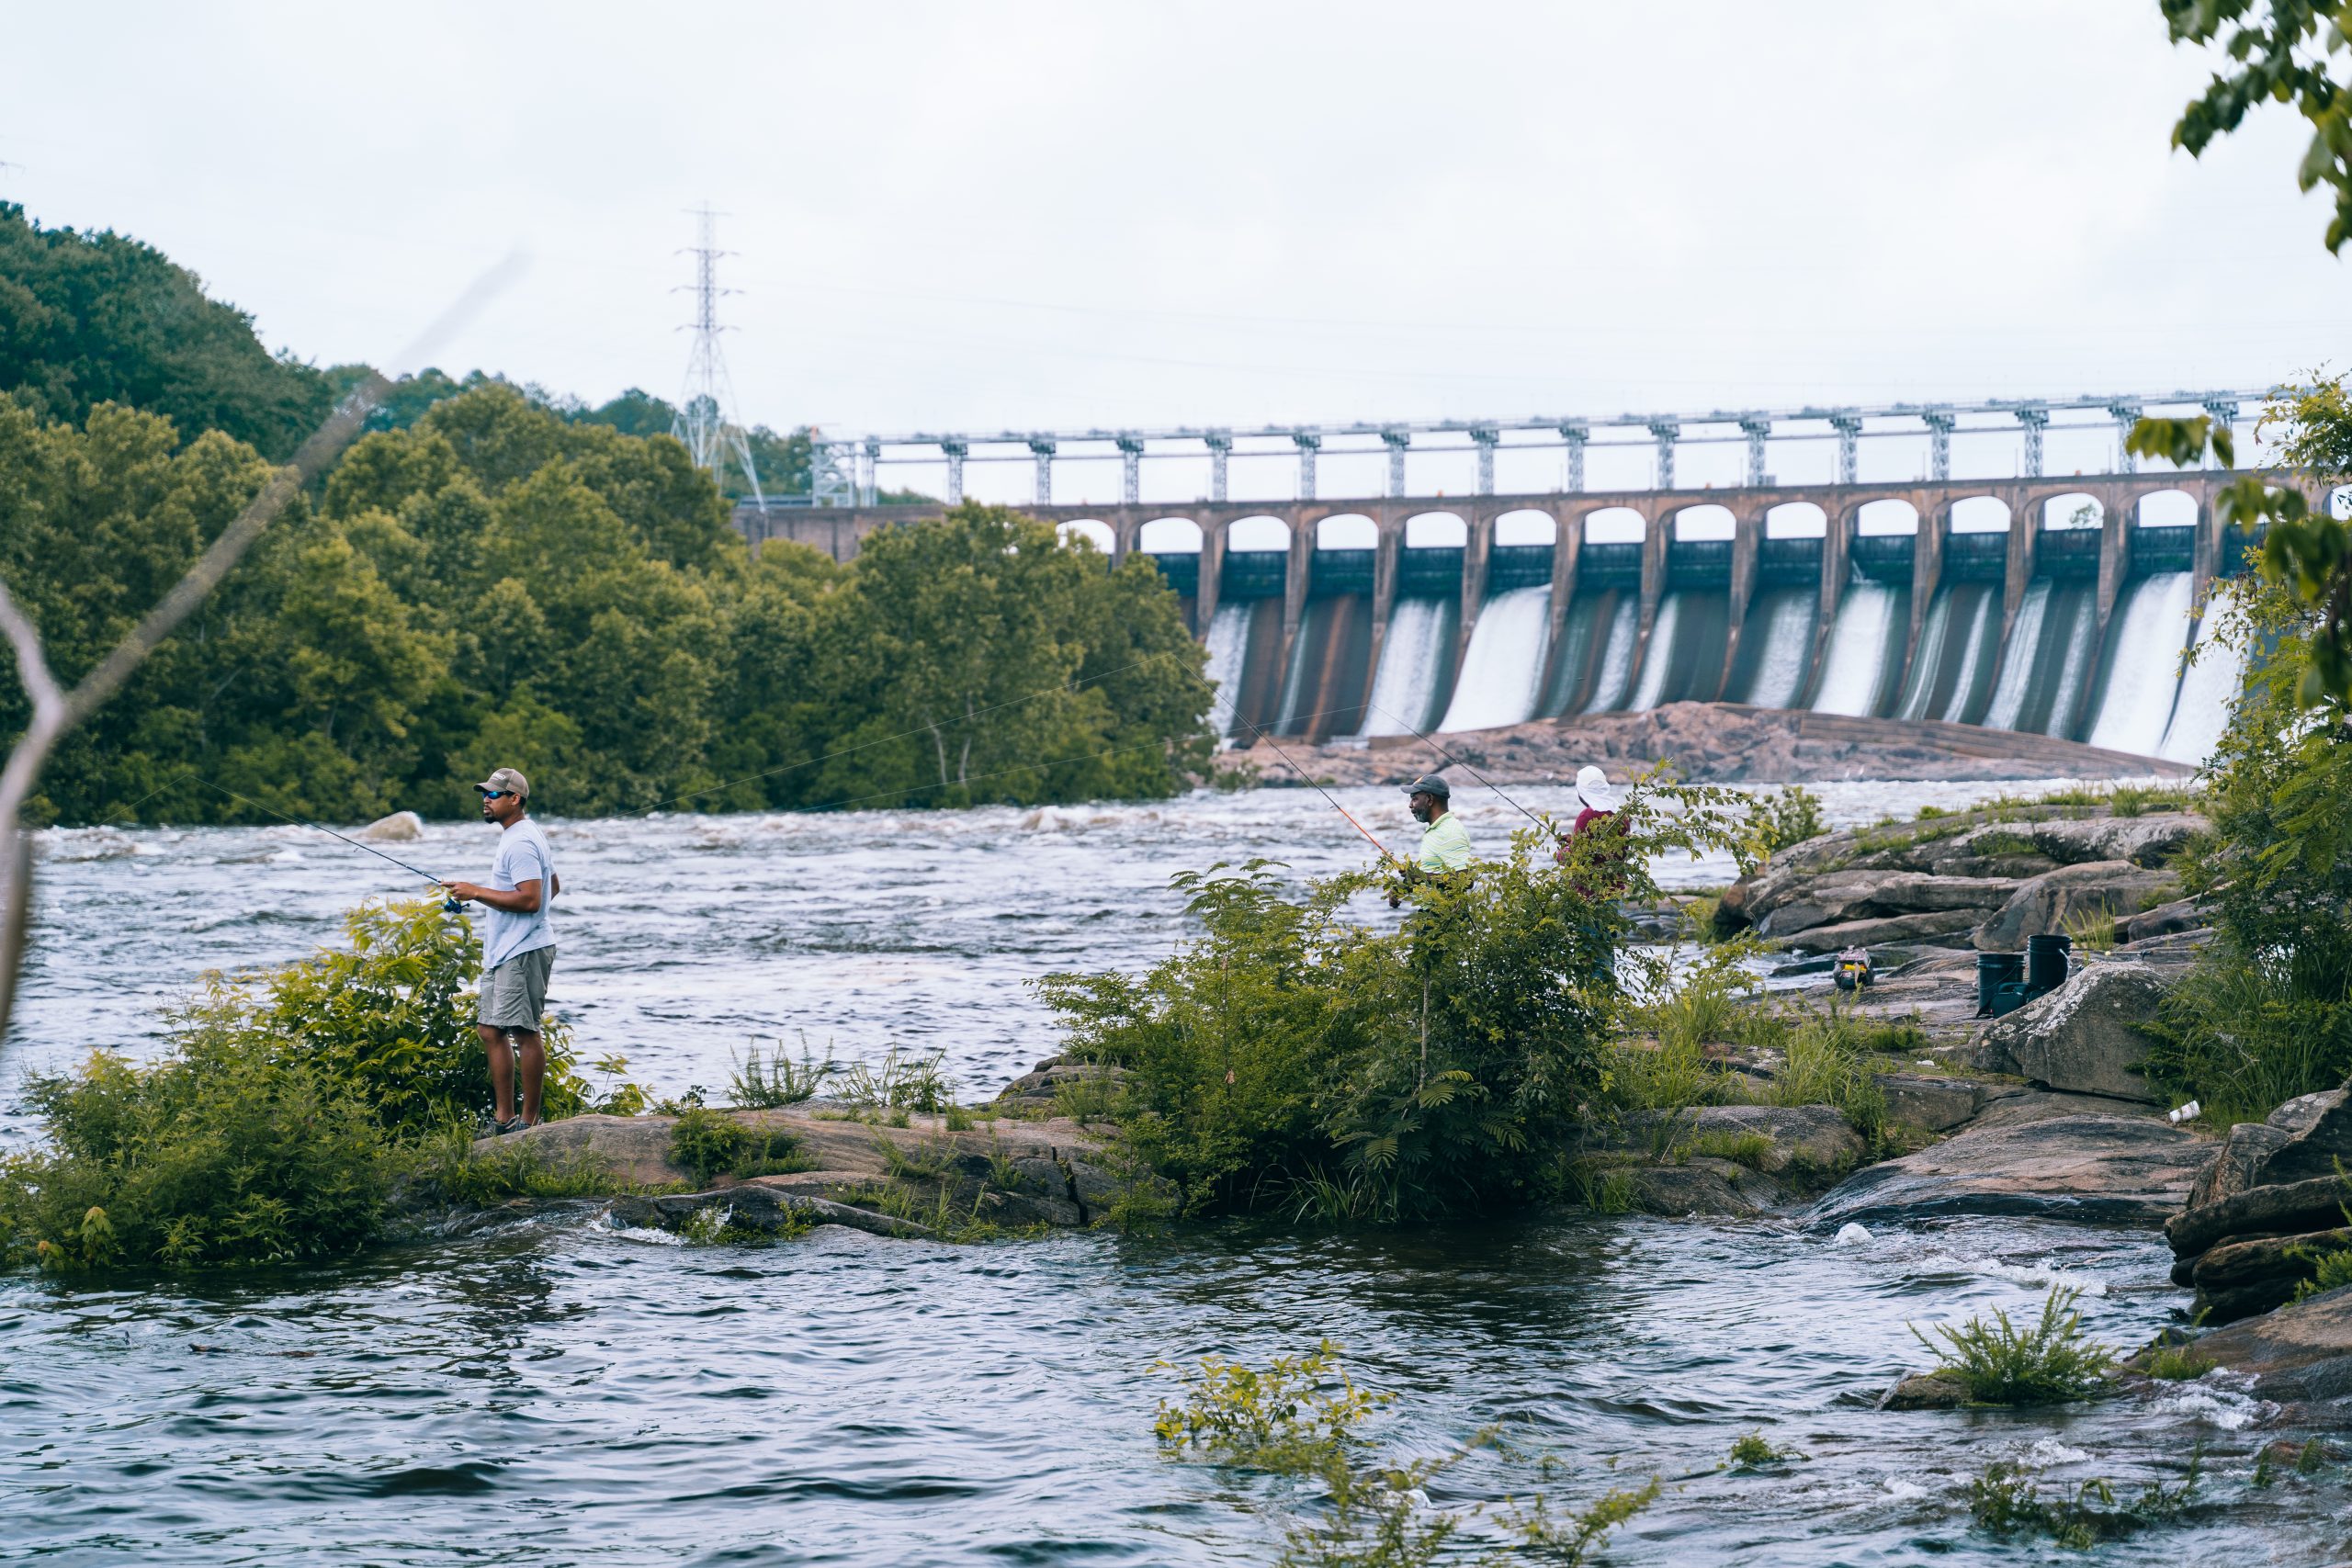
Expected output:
{"points": [[1684, 658], [1578, 664], [1244, 660], [1775, 648], [2046, 663], [2140, 678], [1952, 670], [1323, 690], [1228, 642], [1865, 653], [1414, 663], [1501, 672], [2209, 688]]}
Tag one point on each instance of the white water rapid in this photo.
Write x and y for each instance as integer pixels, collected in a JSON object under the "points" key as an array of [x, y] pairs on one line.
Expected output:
{"points": [[1229, 641], [2143, 677], [1851, 670], [1402, 687], [1505, 664]]}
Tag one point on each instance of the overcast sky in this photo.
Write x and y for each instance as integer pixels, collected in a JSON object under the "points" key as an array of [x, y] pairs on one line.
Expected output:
{"points": [[1032, 215]]}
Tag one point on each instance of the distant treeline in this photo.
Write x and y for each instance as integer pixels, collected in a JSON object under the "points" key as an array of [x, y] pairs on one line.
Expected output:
{"points": [[498, 581]]}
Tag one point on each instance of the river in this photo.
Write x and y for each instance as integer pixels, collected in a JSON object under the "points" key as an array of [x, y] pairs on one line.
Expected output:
{"points": [[550, 1390]]}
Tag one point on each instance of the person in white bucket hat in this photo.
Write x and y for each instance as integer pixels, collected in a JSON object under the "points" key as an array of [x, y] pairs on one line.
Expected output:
{"points": [[1598, 800]]}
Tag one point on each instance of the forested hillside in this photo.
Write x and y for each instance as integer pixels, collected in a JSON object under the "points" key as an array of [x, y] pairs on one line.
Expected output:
{"points": [[497, 584]]}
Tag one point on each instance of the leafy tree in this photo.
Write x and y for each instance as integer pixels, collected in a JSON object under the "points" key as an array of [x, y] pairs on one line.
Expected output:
{"points": [[90, 318], [2293, 51], [2284, 50]]}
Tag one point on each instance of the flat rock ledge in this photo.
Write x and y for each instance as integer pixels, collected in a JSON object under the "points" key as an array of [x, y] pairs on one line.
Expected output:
{"points": [[896, 1181], [2298, 1355], [2104, 1168]]}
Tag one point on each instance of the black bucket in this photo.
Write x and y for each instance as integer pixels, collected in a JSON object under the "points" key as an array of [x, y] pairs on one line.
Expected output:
{"points": [[2009, 996], [2045, 962], [1992, 970]]}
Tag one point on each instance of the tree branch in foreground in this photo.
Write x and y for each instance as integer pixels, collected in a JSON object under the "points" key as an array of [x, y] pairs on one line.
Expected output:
{"points": [[56, 711]]}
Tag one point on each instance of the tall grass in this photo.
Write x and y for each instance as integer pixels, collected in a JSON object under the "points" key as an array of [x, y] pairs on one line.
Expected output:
{"points": [[774, 1080]]}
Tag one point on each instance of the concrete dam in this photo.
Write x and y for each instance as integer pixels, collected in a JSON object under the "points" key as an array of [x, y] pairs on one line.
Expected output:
{"points": [[2050, 606]]}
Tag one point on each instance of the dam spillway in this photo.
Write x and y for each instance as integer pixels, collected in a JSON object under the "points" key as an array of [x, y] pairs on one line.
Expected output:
{"points": [[2053, 606]]}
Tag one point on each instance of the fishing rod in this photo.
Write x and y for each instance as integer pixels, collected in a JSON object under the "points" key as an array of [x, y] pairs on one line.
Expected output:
{"points": [[1458, 762], [1216, 697], [450, 907]]}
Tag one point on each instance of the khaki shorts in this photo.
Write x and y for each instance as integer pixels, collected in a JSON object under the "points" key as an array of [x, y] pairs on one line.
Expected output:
{"points": [[513, 993]]}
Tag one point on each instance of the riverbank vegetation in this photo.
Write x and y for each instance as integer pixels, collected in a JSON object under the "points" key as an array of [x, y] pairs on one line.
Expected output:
{"points": [[288, 1111], [497, 584], [1304, 1417], [1293, 1056], [2268, 1015]]}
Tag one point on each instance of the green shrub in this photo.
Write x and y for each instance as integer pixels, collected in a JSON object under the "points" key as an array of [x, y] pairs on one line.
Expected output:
{"points": [[278, 1119], [1830, 1059], [2002, 1364], [2178, 1363], [712, 1143], [1751, 1451], [1302, 1417], [218, 1154], [1789, 818]]}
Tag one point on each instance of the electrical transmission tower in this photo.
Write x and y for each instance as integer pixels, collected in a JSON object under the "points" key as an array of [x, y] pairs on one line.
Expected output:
{"points": [[704, 419]]}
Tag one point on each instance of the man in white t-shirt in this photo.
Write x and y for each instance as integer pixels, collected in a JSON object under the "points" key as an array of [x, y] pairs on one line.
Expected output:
{"points": [[518, 947]]}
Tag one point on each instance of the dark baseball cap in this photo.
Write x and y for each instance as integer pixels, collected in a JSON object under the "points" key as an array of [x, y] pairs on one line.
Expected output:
{"points": [[1430, 783]]}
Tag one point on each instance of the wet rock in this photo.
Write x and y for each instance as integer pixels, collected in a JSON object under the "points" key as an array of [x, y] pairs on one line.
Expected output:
{"points": [[1872, 895], [2083, 1037], [2239, 1279], [2298, 1353], [760, 1209], [2289, 1209], [1953, 924], [2045, 903], [1702, 1187], [2166, 920], [1802, 1138], [2233, 1170], [2015, 1105], [2319, 1130], [2111, 1169], [1936, 1104], [1926, 1390], [2150, 840], [400, 828]]}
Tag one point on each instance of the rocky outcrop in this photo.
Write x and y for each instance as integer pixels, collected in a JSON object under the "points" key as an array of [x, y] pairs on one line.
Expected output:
{"points": [[2054, 899], [1040, 1089], [2083, 1038], [2114, 1169], [2299, 1354], [1928, 1103], [1985, 879], [1715, 1187], [1709, 742], [1014, 1174], [400, 828], [2270, 1204]]}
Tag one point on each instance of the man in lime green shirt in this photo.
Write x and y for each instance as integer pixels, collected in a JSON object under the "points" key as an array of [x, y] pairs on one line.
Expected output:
{"points": [[1445, 844]]}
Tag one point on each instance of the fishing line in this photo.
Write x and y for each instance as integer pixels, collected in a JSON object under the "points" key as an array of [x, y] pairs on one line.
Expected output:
{"points": [[313, 826], [1460, 763], [1216, 697]]}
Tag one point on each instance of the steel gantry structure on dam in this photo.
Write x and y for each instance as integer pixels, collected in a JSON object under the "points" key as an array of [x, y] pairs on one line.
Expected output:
{"points": [[846, 469]]}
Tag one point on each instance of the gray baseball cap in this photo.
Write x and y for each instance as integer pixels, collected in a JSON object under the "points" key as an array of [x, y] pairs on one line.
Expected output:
{"points": [[1430, 783], [505, 780]]}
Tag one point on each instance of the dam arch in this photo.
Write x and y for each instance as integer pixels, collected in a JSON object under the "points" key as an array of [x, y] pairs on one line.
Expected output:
{"points": [[1094, 530]]}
